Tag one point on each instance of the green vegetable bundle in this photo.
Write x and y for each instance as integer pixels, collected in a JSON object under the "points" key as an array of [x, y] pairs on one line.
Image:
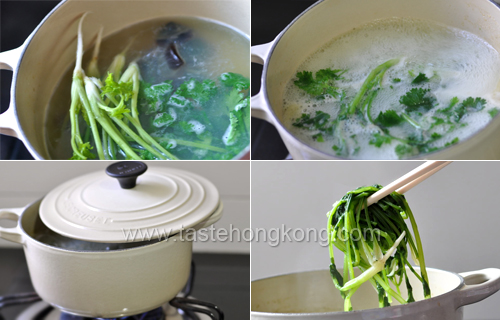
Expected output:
{"points": [[376, 240], [125, 117]]}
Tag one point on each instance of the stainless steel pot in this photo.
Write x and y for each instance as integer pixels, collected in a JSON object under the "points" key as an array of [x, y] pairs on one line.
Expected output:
{"points": [[328, 19], [41, 61], [312, 295]]}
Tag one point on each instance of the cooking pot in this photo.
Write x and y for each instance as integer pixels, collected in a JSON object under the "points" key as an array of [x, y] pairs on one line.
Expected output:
{"points": [[141, 273], [328, 19], [312, 295], [49, 51]]}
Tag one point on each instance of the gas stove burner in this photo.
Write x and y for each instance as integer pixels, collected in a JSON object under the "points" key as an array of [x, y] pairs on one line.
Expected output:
{"points": [[182, 307], [43, 311], [156, 314]]}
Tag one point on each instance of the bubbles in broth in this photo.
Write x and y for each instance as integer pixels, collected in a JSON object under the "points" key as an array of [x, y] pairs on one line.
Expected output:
{"points": [[435, 86], [203, 53]]}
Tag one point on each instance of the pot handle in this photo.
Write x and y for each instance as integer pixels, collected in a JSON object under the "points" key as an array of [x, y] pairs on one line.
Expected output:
{"points": [[13, 234], [212, 219], [478, 286], [8, 121], [258, 103]]}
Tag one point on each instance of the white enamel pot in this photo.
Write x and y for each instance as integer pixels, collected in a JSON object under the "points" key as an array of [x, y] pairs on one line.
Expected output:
{"points": [[312, 295], [49, 51], [80, 274], [328, 19]]}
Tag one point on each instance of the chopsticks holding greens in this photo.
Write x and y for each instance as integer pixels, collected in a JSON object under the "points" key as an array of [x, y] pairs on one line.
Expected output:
{"points": [[368, 226]]}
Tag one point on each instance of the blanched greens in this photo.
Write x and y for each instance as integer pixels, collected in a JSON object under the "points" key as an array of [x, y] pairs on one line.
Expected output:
{"points": [[413, 124], [376, 240]]}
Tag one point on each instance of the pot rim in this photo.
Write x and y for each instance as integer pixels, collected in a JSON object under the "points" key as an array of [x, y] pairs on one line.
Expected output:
{"points": [[25, 46], [15, 74], [312, 150], [408, 308], [88, 252]]}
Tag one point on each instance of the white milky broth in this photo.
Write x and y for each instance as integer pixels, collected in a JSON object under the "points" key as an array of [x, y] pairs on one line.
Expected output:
{"points": [[458, 64]]}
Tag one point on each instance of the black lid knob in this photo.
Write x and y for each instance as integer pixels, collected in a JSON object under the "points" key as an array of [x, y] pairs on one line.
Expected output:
{"points": [[126, 172]]}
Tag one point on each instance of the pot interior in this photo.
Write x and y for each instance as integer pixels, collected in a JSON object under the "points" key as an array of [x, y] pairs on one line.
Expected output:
{"points": [[331, 18], [52, 49], [314, 292], [36, 229]]}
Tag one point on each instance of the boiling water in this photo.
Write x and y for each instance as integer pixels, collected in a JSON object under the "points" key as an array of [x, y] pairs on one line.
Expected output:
{"points": [[459, 64], [211, 50]]}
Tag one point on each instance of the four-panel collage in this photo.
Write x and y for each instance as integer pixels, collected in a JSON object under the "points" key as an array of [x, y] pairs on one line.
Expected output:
{"points": [[259, 159]]}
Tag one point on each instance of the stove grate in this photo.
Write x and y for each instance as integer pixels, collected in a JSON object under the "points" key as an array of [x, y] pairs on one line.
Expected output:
{"points": [[156, 314]]}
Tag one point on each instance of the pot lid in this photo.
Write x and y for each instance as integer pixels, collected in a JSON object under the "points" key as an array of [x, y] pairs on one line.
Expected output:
{"points": [[141, 205]]}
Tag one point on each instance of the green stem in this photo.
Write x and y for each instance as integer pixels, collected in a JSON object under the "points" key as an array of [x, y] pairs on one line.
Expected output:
{"points": [[76, 139], [421, 260], [111, 148], [104, 121], [410, 121], [388, 289], [91, 116], [368, 83], [105, 145], [148, 138], [138, 139], [193, 144], [371, 97]]}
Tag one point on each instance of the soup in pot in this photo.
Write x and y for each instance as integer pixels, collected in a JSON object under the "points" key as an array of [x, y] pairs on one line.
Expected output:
{"points": [[393, 89]]}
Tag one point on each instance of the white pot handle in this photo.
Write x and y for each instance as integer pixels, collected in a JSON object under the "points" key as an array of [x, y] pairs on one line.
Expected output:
{"points": [[8, 121], [212, 219], [482, 284], [12, 234], [258, 104]]}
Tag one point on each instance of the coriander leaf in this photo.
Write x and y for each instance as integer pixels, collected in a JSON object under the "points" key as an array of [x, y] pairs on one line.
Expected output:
{"points": [[493, 112], [186, 127], [448, 110], [116, 112], [320, 121], [164, 119], [155, 95], [388, 119], [416, 98], [396, 80], [438, 121], [421, 78], [403, 150], [477, 104], [84, 152], [324, 84], [193, 93], [318, 137], [469, 104], [122, 89], [146, 155], [233, 98], [452, 142], [235, 80], [378, 140], [435, 136], [232, 131]]}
